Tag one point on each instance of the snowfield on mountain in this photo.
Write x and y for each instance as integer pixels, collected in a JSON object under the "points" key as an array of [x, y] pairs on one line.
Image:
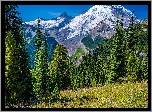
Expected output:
{"points": [[69, 31]]}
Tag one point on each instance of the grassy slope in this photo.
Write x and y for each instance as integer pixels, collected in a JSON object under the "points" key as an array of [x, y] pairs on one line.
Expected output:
{"points": [[77, 54], [129, 95]]}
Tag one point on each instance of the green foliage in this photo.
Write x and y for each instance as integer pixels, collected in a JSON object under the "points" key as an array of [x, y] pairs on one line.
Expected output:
{"points": [[132, 67], [21, 72], [45, 72], [116, 58], [73, 75], [59, 68], [90, 43], [38, 40], [137, 43], [40, 72], [13, 22], [51, 45], [56, 92], [79, 52], [85, 71], [117, 55], [12, 92], [110, 62], [129, 95]]}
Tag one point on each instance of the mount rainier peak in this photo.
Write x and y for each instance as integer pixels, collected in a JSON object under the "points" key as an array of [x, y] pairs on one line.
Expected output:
{"points": [[69, 31]]}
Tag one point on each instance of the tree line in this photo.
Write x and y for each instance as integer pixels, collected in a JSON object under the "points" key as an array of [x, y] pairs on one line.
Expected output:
{"points": [[113, 61]]}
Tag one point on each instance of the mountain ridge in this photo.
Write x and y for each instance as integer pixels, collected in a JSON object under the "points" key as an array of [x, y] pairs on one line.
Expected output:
{"points": [[99, 20]]}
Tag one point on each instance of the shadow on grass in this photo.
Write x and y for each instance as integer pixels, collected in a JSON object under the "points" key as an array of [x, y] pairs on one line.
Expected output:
{"points": [[32, 103]]}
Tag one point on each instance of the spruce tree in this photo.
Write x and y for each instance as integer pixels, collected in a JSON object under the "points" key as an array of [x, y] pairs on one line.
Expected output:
{"points": [[92, 67], [26, 75], [37, 70], [13, 23], [131, 35], [100, 69], [131, 62], [135, 66], [46, 76], [104, 60], [13, 88], [117, 63], [85, 70], [71, 73], [40, 72], [59, 69]]}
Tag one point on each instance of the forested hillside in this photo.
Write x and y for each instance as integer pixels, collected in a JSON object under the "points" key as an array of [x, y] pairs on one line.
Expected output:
{"points": [[118, 63], [90, 43], [51, 43]]}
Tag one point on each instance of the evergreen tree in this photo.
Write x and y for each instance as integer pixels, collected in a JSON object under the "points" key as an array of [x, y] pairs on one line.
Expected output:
{"points": [[40, 72], [59, 69], [70, 72], [13, 23], [137, 41], [117, 55], [131, 35], [100, 69], [46, 76], [13, 88], [131, 63], [74, 78], [86, 70], [92, 67], [26, 76]]}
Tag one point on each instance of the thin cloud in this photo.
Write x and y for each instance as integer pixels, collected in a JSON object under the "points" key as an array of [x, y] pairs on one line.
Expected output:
{"points": [[54, 13]]}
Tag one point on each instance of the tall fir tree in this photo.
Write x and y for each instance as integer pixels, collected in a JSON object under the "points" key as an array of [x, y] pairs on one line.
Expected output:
{"points": [[59, 70], [135, 66], [100, 68], [13, 88], [13, 23], [117, 55], [40, 72], [46, 76]]}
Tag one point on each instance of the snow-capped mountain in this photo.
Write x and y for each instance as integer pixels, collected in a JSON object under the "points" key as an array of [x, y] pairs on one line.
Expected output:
{"points": [[67, 30], [50, 26], [82, 24]]}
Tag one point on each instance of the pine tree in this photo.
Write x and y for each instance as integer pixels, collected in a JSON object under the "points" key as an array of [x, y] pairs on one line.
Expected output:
{"points": [[46, 76], [100, 69], [104, 61], [71, 73], [13, 88], [40, 72], [37, 70], [136, 69], [131, 35], [86, 70], [74, 77], [58, 69], [93, 60], [131, 66], [13, 23], [117, 55], [26, 76], [16, 75]]}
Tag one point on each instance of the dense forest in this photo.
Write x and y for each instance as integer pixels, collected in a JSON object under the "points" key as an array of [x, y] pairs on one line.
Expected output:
{"points": [[90, 43], [121, 59]]}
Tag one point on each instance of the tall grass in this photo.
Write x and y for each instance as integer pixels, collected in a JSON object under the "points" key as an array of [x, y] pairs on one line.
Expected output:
{"points": [[128, 95]]}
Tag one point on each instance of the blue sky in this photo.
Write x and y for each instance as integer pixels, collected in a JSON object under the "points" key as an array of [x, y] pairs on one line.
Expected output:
{"points": [[32, 12]]}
